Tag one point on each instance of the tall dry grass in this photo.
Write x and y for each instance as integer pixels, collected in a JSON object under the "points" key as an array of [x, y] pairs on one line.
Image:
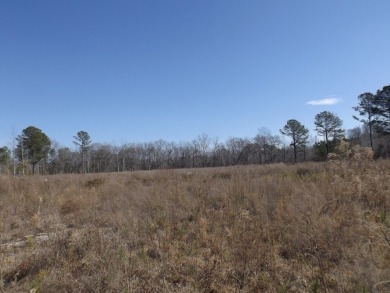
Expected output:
{"points": [[321, 227]]}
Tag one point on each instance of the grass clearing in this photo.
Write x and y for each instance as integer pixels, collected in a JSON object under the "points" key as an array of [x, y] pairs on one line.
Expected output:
{"points": [[314, 227]]}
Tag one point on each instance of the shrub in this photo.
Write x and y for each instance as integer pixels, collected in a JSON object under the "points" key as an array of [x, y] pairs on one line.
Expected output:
{"points": [[94, 183]]}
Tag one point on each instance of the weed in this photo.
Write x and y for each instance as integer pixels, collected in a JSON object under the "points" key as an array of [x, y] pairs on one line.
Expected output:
{"points": [[94, 183], [301, 228], [301, 172], [222, 175]]}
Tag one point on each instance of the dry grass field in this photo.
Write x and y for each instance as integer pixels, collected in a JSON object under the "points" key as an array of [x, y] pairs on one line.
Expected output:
{"points": [[315, 227]]}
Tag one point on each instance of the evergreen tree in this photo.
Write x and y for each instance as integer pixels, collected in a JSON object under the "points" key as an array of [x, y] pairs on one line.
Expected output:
{"points": [[298, 133], [328, 125], [33, 146], [5, 157], [367, 107], [83, 141], [382, 109]]}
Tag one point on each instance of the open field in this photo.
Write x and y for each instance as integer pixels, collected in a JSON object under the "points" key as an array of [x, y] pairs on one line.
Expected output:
{"points": [[321, 227]]}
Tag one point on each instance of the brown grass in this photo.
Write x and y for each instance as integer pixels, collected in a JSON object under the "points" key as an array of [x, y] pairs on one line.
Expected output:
{"points": [[277, 228]]}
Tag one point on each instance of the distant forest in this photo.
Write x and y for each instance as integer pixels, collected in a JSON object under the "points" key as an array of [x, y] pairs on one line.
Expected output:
{"points": [[33, 152]]}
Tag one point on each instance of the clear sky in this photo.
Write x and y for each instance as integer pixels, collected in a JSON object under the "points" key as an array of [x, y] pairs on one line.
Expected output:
{"points": [[139, 71]]}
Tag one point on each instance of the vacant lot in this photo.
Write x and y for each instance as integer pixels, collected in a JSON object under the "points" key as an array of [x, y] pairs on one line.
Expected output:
{"points": [[306, 228]]}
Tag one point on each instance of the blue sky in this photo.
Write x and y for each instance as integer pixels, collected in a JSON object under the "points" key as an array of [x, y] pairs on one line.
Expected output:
{"points": [[139, 71]]}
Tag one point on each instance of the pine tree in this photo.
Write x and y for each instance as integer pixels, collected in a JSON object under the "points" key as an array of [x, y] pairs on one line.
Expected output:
{"points": [[298, 133]]}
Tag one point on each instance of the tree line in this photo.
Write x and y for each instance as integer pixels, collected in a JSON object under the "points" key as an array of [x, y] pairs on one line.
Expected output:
{"points": [[35, 153]]}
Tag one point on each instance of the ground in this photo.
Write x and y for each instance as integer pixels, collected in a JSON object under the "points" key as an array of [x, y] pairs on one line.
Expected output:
{"points": [[313, 227]]}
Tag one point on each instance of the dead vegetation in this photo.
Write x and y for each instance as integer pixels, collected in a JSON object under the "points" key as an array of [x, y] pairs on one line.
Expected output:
{"points": [[277, 228]]}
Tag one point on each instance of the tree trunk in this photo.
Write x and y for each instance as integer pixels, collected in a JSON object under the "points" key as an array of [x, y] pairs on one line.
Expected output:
{"points": [[295, 152], [370, 129], [326, 143]]}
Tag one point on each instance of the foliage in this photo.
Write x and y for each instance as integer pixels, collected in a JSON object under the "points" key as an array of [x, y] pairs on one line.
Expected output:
{"points": [[83, 141], [328, 125], [33, 146], [361, 154], [264, 148], [5, 156], [343, 149], [320, 150], [298, 133], [377, 110], [367, 107], [382, 108]]}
